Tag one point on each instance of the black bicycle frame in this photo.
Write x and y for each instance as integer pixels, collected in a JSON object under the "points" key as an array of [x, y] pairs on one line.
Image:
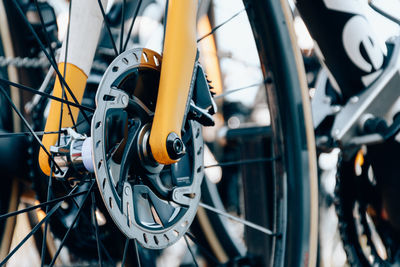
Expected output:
{"points": [[349, 47]]}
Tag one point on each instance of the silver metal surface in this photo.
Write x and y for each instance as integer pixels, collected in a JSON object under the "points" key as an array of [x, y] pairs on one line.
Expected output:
{"points": [[320, 103], [375, 100], [68, 154], [127, 209], [237, 219], [24, 62]]}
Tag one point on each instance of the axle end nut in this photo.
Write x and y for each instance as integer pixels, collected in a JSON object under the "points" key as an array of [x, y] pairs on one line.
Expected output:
{"points": [[175, 147]]}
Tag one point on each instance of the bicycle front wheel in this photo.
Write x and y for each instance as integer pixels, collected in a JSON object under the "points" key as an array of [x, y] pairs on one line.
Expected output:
{"points": [[281, 195], [259, 191]]}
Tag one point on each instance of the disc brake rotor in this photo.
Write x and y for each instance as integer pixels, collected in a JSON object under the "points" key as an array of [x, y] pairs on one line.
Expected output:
{"points": [[152, 203]]}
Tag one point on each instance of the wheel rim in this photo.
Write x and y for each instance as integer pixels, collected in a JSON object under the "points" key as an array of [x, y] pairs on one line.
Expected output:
{"points": [[279, 206]]}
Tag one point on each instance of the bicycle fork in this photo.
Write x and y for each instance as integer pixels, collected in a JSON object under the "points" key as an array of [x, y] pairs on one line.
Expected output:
{"points": [[179, 55]]}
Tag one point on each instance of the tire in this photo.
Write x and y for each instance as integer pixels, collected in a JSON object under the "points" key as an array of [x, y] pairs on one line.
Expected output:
{"points": [[269, 18], [10, 190], [279, 194]]}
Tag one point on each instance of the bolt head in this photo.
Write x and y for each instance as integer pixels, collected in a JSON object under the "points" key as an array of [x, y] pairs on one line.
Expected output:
{"points": [[124, 100], [354, 99], [175, 146], [127, 191], [178, 146], [335, 108]]}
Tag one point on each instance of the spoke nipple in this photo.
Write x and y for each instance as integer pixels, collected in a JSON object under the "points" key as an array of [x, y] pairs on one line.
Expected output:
{"points": [[278, 235]]}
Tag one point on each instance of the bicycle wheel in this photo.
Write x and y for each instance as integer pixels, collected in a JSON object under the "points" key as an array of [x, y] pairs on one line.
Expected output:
{"points": [[10, 191], [275, 170]]}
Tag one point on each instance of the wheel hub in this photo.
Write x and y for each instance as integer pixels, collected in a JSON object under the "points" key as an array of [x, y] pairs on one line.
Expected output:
{"points": [[152, 203]]}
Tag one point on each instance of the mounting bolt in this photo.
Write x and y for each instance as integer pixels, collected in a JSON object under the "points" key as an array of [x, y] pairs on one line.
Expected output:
{"points": [[127, 191], [354, 99], [175, 146], [124, 100], [335, 109]]}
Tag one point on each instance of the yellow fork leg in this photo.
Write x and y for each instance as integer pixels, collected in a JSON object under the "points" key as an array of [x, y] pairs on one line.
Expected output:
{"points": [[179, 55], [76, 80], [85, 27]]}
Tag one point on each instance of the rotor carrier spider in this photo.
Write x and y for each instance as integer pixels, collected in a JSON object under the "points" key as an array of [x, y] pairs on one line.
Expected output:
{"points": [[150, 202]]}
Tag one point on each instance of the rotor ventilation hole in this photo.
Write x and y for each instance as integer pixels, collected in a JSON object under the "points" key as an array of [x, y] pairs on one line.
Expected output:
{"points": [[104, 183], [191, 196], [156, 240], [110, 202], [145, 238], [166, 237], [129, 214], [99, 164], [98, 143], [98, 124], [115, 69], [125, 61], [108, 98], [199, 169], [199, 151], [176, 233], [146, 59], [156, 61]]}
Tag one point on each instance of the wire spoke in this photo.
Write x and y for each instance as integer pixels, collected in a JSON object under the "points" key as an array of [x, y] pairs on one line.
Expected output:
{"points": [[112, 263], [37, 92], [191, 252], [65, 74], [44, 243], [44, 204], [83, 121], [43, 48], [220, 25], [125, 251], [121, 36], [6, 135], [72, 225], [241, 162], [242, 221], [96, 229], [203, 250], [137, 253], [106, 22], [134, 15], [30, 128], [34, 230], [231, 91], [46, 34], [84, 217], [43, 88]]}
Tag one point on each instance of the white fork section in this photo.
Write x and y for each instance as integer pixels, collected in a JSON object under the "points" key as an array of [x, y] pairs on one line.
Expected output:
{"points": [[85, 27]]}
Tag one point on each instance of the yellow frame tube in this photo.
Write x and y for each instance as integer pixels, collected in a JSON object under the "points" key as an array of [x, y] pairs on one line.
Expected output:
{"points": [[84, 30], [179, 56], [76, 79], [208, 51]]}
